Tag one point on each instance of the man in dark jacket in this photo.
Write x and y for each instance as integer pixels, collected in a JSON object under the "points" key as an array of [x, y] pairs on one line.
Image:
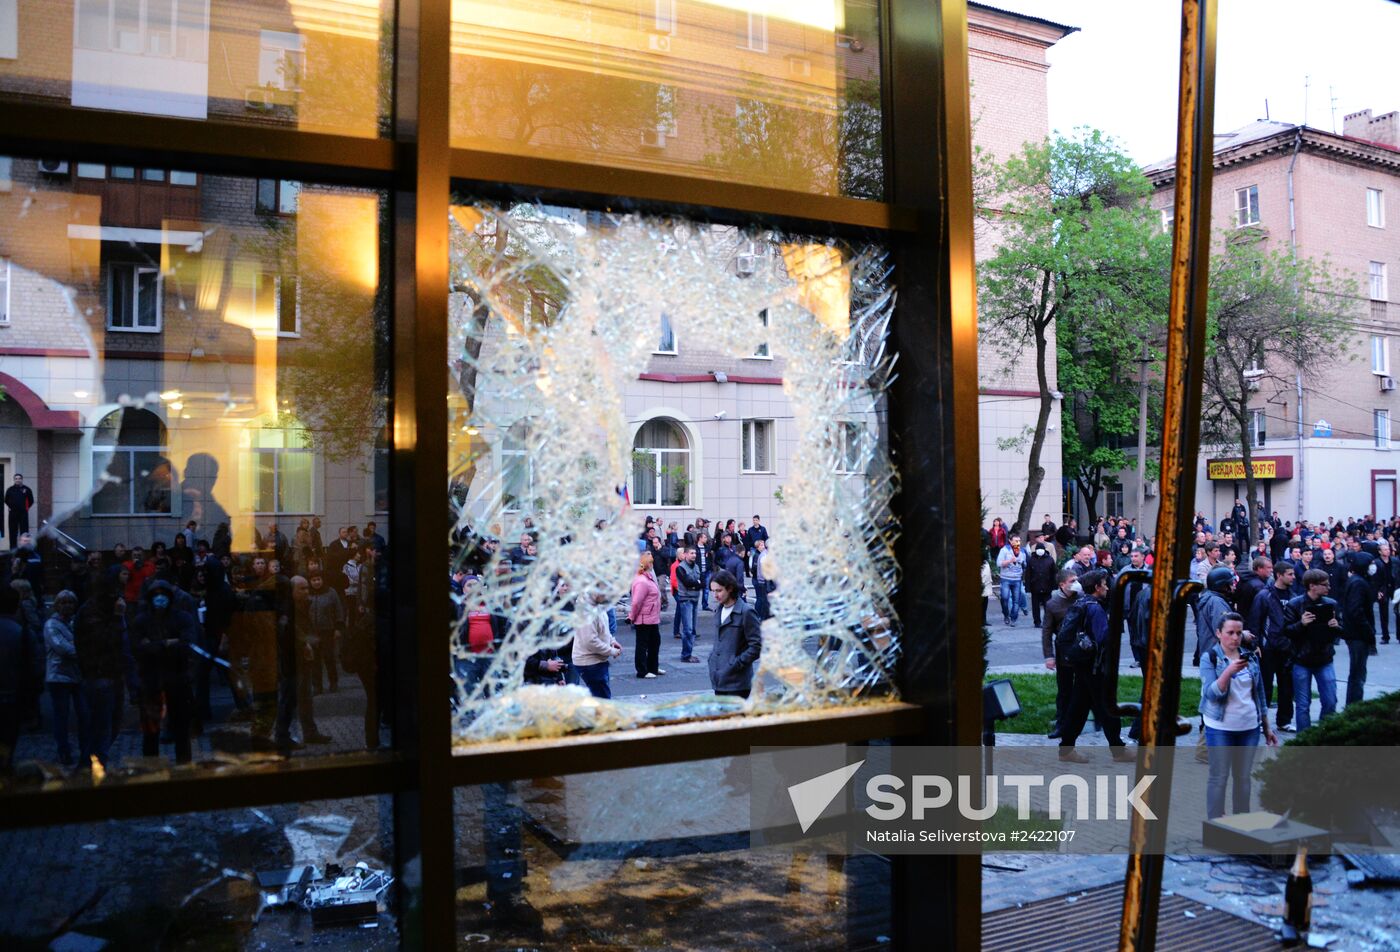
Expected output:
{"points": [[1358, 622], [1137, 633], [1335, 568], [99, 635], [15, 662], [1386, 577], [1087, 616], [1267, 620], [738, 639], [1258, 579], [1066, 591], [1312, 627], [688, 585], [1211, 608], [161, 637], [732, 561], [1040, 576], [19, 499]]}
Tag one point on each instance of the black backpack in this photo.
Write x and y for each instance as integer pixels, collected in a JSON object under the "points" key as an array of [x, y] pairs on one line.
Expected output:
{"points": [[1073, 640]]}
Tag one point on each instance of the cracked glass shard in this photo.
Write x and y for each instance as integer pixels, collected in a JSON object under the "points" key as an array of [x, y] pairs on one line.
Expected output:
{"points": [[556, 316]]}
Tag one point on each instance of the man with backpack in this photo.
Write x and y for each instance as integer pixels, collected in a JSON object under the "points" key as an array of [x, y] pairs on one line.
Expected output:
{"points": [[1067, 590], [1080, 642]]}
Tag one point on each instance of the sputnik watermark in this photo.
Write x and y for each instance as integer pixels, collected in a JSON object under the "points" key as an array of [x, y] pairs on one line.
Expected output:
{"points": [[932, 792]]}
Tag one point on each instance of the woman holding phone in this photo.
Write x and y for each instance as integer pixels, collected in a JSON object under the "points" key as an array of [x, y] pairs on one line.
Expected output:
{"points": [[1235, 714]]}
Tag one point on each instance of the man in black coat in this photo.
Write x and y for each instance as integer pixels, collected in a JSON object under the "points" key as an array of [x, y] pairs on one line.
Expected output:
{"points": [[19, 498], [1040, 575], [1358, 622], [1384, 581], [1267, 620], [1262, 572]]}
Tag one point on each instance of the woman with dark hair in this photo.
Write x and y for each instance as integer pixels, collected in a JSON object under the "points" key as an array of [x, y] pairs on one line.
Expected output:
{"points": [[1235, 714], [738, 641]]}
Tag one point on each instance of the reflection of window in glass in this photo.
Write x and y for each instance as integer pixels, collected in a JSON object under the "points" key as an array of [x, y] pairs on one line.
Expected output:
{"points": [[91, 170], [123, 172], [282, 60], [1258, 427], [1166, 220], [666, 110], [277, 197], [849, 436], [166, 28], [667, 343], [665, 18], [184, 178], [660, 464], [1380, 355], [278, 468], [1246, 206], [133, 297], [761, 351], [9, 29], [1380, 290], [517, 473], [755, 32], [153, 175], [7, 181], [1375, 208], [1380, 421], [130, 464], [282, 293], [4, 290], [757, 453]]}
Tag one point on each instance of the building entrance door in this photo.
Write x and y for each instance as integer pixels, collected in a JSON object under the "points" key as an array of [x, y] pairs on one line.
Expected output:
{"points": [[1383, 492]]}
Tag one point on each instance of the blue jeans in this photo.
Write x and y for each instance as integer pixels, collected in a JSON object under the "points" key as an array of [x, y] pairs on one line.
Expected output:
{"points": [[99, 694], [595, 678], [1231, 755], [685, 616], [1302, 692], [705, 590], [1011, 595], [62, 694]]}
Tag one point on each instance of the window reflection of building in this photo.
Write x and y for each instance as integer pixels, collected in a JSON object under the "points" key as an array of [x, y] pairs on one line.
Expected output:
{"points": [[142, 56], [130, 456], [278, 476]]}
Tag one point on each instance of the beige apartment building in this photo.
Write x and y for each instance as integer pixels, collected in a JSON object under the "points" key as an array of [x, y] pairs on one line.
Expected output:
{"points": [[1322, 432]]}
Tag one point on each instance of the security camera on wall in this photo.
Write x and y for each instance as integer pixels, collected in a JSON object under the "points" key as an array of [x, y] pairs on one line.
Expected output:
{"points": [[721, 414]]}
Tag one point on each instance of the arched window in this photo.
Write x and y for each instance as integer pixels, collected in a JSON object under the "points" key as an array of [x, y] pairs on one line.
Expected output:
{"points": [[278, 466], [130, 457], [661, 464]]}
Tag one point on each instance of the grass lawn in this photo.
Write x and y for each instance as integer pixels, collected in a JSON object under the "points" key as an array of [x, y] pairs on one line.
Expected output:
{"points": [[1037, 695]]}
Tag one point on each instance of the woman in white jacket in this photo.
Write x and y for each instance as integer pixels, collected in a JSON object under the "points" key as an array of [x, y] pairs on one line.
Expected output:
{"points": [[595, 647]]}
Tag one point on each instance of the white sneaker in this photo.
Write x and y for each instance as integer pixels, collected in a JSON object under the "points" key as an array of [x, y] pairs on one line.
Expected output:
{"points": [[660, 671], [648, 675]]}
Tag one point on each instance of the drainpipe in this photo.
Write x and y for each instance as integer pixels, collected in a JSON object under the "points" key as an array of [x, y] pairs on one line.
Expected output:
{"points": [[1293, 248]]}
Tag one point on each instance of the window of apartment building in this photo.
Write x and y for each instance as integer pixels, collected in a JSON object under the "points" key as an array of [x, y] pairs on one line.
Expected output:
{"points": [[1380, 421], [755, 27], [660, 464], [277, 197], [667, 342], [167, 28], [849, 437], [131, 464], [4, 290], [285, 294], [666, 111], [1113, 500], [7, 181], [282, 60], [133, 297], [664, 17], [1380, 355], [1258, 427], [125, 173], [278, 471], [1246, 206], [1166, 214], [517, 472], [761, 352], [757, 451], [1375, 208], [9, 29], [1380, 287]]}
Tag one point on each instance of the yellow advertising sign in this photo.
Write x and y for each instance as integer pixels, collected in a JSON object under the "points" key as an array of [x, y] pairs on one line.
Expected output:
{"points": [[1234, 469]]}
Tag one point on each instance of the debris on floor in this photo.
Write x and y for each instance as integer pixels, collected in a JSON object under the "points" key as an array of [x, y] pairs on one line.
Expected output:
{"points": [[334, 897]]}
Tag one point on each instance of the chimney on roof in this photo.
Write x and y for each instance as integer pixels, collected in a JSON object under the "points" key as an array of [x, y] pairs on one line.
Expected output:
{"points": [[1383, 129]]}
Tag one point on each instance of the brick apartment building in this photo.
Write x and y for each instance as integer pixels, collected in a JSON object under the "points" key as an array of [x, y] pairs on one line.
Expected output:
{"points": [[1330, 453], [169, 323]]}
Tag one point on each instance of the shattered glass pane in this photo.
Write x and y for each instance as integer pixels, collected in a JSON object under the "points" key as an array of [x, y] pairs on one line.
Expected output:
{"points": [[553, 320], [272, 877]]}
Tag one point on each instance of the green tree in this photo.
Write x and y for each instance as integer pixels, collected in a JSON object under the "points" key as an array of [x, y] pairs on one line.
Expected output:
{"points": [[1269, 314], [1080, 258]]}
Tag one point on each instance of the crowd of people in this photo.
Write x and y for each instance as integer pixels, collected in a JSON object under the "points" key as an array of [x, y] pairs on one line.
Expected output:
{"points": [[140, 634], [1277, 598], [717, 564]]}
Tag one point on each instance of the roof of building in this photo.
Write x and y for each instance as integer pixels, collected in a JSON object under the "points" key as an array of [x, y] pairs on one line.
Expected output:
{"points": [[1266, 135], [1065, 29]]}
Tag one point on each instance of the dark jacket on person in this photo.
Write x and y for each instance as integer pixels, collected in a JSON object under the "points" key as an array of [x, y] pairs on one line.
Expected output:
{"points": [[157, 661], [1358, 618], [1336, 572], [1210, 608], [1313, 645], [688, 582], [98, 634], [731, 563], [1268, 619], [15, 663], [1053, 614], [738, 643], [1040, 571], [1246, 592], [535, 672]]}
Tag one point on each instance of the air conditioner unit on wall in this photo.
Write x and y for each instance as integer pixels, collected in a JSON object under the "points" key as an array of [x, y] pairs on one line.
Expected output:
{"points": [[659, 42], [1387, 384], [1149, 489], [259, 98], [53, 167], [746, 264]]}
